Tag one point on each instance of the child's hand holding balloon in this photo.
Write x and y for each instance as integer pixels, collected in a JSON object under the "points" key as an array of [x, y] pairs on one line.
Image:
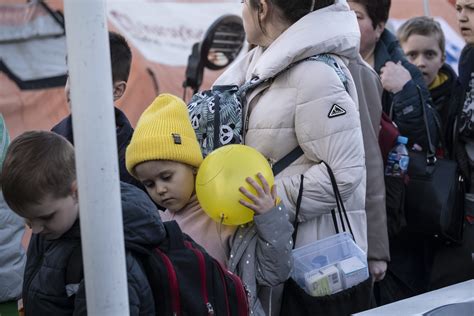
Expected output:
{"points": [[265, 199]]}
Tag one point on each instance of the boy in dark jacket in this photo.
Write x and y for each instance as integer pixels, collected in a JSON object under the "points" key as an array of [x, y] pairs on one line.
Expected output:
{"points": [[423, 42], [39, 184], [462, 256], [121, 59]]}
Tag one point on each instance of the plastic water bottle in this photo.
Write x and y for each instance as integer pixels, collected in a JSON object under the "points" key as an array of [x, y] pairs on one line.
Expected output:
{"points": [[398, 159]]}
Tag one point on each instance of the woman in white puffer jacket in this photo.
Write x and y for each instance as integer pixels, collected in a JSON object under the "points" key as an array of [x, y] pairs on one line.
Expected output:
{"points": [[297, 107]]}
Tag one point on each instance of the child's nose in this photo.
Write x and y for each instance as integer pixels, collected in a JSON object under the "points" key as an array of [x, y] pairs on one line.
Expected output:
{"points": [[420, 62], [161, 189]]}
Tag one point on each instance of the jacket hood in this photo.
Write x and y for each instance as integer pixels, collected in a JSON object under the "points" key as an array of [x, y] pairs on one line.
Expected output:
{"points": [[329, 30], [141, 221]]}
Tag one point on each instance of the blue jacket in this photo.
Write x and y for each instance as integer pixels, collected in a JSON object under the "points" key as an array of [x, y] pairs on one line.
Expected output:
{"points": [[13, 257], [124, 134], [44, 287], [406, 104]]}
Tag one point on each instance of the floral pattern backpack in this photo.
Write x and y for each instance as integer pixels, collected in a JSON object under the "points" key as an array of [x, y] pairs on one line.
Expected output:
{"points": [[217, 115]]}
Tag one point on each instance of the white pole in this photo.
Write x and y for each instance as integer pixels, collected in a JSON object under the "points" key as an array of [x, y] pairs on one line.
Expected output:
{"points": [[426, 8], [96, 157]]}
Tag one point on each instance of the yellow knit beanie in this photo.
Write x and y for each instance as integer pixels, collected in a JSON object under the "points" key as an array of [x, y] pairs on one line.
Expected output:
{"points": [[164, 132]]}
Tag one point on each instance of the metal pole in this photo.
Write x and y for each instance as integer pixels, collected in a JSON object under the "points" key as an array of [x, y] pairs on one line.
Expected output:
{"points": [[426, 8], [96, 157]]}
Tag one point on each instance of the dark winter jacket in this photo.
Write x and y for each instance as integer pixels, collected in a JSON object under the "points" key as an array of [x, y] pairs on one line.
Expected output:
{"points": [[466, 66], [124, 134], [406, 104], [447, 100], [44, 288]]}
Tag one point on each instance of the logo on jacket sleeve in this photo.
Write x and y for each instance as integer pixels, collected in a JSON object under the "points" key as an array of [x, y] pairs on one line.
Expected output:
{"points": [[336, 110]]}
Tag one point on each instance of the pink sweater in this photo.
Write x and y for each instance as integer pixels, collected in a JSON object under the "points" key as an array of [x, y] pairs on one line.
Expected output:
{"points": [[212, 236]]}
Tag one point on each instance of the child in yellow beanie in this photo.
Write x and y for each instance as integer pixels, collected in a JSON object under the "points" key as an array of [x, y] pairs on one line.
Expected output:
{"points": [[164, 155]]}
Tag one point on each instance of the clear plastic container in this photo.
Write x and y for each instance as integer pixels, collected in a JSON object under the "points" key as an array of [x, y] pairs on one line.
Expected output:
{"points": [[339, 251]]}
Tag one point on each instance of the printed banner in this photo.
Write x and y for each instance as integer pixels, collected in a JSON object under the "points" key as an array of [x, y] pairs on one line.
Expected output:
{"points": [[165, 32]]}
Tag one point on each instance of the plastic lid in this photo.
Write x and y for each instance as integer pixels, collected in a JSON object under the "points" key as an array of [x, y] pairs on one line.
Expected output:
{"points": [[402, 140]]}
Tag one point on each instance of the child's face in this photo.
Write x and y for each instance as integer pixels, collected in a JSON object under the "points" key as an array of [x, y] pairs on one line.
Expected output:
{"points": [[52, 217], [465, 14], [425, 53], [169, 183]]}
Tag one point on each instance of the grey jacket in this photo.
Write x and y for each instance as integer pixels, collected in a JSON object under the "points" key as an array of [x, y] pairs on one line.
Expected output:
{"points": [[369, 92], [261, 257], [13, 257]]}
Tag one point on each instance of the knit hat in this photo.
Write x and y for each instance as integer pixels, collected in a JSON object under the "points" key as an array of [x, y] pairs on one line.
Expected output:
{"points": [[164, 132], [4, 139]]}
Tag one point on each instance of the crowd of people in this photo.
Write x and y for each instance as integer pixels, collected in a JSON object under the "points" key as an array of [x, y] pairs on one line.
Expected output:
{"points": [[332, 110]]}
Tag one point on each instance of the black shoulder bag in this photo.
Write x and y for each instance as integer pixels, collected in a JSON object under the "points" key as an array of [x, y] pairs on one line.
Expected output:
{"points": [[434, 203]]}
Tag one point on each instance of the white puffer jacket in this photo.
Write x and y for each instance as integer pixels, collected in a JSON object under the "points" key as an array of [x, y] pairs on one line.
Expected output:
{"points": [[293, 109]]}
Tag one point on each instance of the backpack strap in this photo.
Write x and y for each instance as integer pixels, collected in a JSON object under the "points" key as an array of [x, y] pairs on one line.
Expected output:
{"points": [[175, 235], [74, 271], [284, 162], [331, 62]]}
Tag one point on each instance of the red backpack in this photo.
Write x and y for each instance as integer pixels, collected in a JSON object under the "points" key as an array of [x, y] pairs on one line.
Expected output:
{"points": [[184, 278]]}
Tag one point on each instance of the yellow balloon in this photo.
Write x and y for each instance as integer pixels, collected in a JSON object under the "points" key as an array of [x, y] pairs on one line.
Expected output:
{"points": [[220, 176]]}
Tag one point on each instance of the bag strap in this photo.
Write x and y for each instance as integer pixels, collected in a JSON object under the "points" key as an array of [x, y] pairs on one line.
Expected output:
{"points": [[74, 267], [284, 162], [430, 153], [340, 207], [325, 58], [297, 211], [175, 235]]}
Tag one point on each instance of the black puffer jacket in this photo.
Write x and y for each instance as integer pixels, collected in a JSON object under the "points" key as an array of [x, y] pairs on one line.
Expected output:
{"points": [[447, 99], [406, 104], [124, 134], [44, 288]]}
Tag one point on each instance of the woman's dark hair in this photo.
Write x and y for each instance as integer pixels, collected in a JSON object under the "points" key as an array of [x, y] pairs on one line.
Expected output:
{"points": [[376, 9], [293, 10]]}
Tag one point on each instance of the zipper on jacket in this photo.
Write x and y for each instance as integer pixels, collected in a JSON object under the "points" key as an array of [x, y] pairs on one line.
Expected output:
{"points": [[202, 271], [173, 280]]}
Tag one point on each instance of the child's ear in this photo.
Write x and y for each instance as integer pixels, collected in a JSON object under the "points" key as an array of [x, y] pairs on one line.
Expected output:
{"points": [[74, 191], [119, 89]]}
